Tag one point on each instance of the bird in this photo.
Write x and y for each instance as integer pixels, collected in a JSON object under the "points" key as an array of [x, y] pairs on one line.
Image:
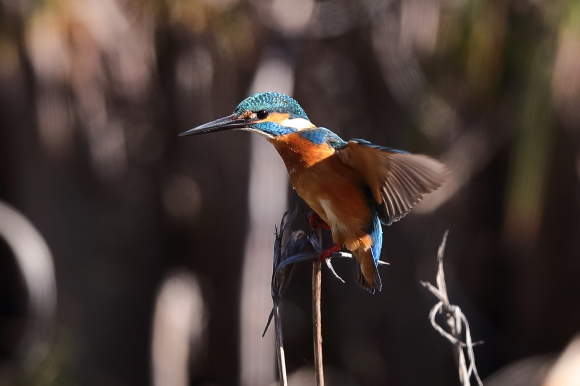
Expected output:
{"points": [[352, 186]]}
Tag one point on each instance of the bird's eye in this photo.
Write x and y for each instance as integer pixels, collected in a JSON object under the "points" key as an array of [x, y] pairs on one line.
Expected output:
{"points": [[262, 114]]}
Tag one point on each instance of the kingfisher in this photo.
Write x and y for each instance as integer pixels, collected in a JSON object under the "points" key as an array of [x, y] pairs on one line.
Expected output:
{"points": [[352, 186]]}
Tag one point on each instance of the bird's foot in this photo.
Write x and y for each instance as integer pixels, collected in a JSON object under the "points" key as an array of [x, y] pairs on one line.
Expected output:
{"points": [[315, 221], [325, 255]]}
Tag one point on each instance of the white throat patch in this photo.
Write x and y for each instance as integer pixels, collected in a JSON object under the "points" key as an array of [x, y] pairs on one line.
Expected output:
{"points": [[297, 123]]}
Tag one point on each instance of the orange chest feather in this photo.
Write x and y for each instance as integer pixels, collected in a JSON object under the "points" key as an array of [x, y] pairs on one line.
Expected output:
{"points": [[297, 151], [330, 187]]}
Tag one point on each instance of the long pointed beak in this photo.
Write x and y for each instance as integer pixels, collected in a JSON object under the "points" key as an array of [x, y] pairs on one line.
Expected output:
{"points": [[221, 124]]}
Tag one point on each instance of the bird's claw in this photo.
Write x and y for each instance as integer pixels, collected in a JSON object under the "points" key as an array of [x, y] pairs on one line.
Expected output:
{"points": [[315, 221], [327, 253], [329, 265]]}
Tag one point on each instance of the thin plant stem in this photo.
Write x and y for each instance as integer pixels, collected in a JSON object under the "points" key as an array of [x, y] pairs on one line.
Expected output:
{"points": [[280, 347], [316, 322], [317, 316]]}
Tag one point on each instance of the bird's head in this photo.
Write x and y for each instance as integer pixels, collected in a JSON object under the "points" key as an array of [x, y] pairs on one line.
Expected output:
{"points": [[270, 114]]}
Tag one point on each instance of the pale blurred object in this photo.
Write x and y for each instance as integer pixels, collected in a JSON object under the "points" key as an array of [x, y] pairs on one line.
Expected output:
{"points": [[525, 372], [268, 196], [36, 266], [308, 18], [288, 17], [419, 25], [179, 326], [292, 16], [566, 370], [81, 51], [545, 370]]}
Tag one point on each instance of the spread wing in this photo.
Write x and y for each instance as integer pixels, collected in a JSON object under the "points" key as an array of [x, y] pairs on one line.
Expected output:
{"points": [[397, 180]]}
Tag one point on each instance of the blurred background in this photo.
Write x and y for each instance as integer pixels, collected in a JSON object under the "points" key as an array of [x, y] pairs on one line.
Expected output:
{"points": [[131, 257]]}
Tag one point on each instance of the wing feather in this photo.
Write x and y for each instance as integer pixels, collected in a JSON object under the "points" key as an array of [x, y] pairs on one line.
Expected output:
{"points": [[397, 180]]}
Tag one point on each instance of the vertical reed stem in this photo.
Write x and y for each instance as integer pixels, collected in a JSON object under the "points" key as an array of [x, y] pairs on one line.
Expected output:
{"points": [[317, 316]]}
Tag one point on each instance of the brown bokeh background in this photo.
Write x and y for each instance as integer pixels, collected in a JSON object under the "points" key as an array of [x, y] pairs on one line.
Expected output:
{"points": [[94, 92]]}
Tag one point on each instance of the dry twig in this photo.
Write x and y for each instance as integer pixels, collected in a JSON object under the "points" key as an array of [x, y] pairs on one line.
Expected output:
{"points": [[456, 321]]}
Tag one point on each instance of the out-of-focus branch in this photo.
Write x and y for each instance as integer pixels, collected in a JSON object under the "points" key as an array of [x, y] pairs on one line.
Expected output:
{"points": [[179, 329], [36, 266]]}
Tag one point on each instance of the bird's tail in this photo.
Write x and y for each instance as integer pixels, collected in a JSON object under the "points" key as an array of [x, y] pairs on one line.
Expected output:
{"points": [[366, 272]]}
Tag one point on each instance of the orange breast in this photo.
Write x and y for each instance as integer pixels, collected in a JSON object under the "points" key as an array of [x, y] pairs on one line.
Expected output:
{"points": [[297, 151], [331, 188]]}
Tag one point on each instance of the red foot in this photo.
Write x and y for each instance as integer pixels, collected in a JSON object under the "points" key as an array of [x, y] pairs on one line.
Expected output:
{"points": [[327, 253], [316, 221]]}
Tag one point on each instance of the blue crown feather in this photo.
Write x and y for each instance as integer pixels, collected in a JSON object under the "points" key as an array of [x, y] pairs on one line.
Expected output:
{"points": [[272, 102]]}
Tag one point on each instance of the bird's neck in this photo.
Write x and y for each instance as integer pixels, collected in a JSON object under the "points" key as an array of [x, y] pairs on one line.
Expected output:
{"points": [[298, 152]]}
